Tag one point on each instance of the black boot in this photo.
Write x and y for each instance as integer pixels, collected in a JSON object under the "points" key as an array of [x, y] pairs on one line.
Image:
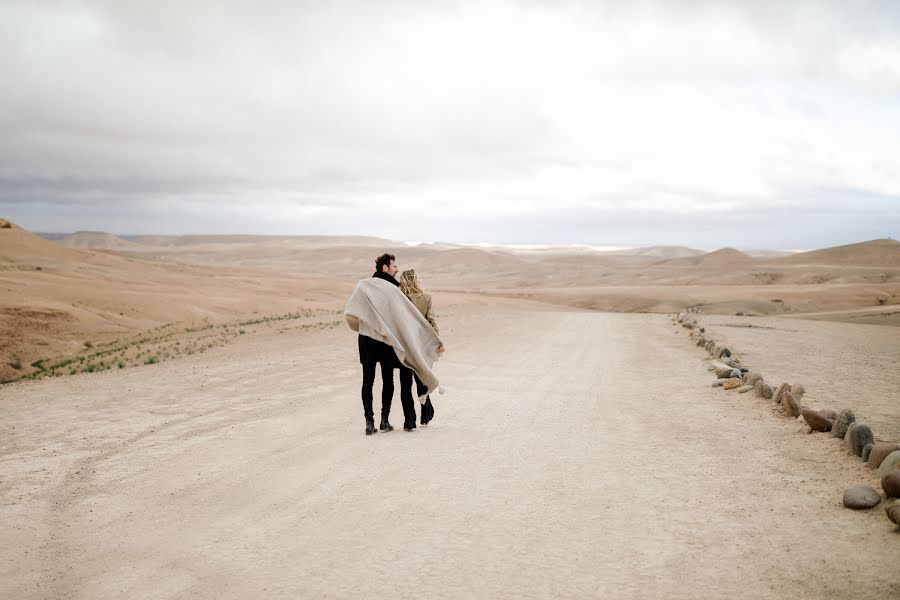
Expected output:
{"points": [[385, 426], [370, 426], [427, 411]]}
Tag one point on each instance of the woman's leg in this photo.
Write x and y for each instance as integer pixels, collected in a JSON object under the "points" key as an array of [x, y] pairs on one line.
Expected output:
{"points": [[406, 398]]}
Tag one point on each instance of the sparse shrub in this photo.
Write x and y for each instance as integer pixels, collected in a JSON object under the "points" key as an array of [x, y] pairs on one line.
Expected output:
{"points": [[88, 345], [151, 361]]}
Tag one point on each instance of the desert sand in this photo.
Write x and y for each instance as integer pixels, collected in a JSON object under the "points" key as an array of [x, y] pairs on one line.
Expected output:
{"points": [[577, 452]]}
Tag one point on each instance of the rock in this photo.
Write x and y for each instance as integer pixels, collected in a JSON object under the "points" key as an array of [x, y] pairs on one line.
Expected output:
{"points": [[842, 423], [861, 496], [718, 382], [782, 388], [816, 420], [763, 389], [744, 389], [732, 363], [828, 414], [890, 483], [891, 462], [733, 383], [4, 224], [798, 390], [790, 404], [725, 373], [752, 378], [867, 449], [880, 452], [860, 435], [847, 435], [723, 351], [892, 510]]}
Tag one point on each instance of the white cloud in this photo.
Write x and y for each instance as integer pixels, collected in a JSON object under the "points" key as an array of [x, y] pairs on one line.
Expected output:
{"points": [[432, 110]]}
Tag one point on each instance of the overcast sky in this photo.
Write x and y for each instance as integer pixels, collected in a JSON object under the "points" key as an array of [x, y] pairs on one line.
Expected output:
{"points": [[750, 124]]}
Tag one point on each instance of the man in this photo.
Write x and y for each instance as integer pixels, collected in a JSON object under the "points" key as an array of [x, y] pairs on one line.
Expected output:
{"points": [[394, 334], [372, 352]]}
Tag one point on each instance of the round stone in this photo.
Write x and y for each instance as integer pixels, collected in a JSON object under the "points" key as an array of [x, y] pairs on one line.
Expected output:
{"points": [[867, 450], [861, 496], [781, 389], [892, 510], [816, 420], [733, 383], [891, 462], [842, 423], [890, 483], [859, 437], [790, 404], [751, 377], [880, 452]]}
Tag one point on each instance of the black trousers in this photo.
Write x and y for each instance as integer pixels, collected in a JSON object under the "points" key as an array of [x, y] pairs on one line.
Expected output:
{"points": [[387, 389], [406, 397]]}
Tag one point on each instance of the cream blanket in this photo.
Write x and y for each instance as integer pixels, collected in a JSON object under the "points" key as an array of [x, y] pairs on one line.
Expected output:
{"points": [[379, 310]]}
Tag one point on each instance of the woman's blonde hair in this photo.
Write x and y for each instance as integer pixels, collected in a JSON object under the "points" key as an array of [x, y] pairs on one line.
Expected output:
{"points": [[409, 283]]}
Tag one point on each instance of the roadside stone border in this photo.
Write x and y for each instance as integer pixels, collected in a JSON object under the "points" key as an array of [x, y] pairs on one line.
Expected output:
{"points": [[786, 400]]}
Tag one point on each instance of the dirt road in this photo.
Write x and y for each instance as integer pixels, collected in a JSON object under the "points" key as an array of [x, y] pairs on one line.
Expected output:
{"points": [[575, 454]]}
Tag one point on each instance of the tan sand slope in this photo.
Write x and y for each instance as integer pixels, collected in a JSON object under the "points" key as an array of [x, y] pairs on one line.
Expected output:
{"points": [[876, 253], [57, 301]]}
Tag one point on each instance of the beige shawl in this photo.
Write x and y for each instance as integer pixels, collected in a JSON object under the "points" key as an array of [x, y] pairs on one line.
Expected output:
{"points": [[379, 310]]}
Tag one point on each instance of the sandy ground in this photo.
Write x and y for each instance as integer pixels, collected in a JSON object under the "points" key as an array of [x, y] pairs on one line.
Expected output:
{"points": [[841, 365], [575, 454]]}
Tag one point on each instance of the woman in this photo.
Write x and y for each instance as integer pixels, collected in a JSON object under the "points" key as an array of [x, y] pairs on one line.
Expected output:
{"points": [[412, 287]]}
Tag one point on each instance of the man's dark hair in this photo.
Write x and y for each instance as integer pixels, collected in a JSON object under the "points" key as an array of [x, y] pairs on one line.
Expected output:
{"points": [[383, 261]]}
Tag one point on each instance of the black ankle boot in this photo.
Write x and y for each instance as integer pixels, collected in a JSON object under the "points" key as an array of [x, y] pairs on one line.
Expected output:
{"points": [[370, 426], [385, 426]]}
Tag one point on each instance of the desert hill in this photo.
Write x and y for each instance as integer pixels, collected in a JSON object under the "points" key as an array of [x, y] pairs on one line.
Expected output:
{"points": [[874, 253], [22, 249], [95, 240], [54, 299], [721, 258]]}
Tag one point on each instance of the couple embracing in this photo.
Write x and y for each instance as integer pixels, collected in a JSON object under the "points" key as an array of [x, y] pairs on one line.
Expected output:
{"points": [[397, 330]]}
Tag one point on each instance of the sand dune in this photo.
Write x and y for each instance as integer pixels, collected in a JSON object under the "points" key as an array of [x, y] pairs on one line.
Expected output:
{"points": [[54, 299], [95, 240], [875, 253]]}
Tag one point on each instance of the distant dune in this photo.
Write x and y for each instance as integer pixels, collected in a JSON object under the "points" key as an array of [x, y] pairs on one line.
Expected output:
{"points": [[722, 258], [875, 253], [54, 298], [96, 240]]}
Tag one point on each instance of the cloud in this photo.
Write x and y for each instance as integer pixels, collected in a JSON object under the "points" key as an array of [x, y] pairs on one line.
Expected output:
{"points": [[471, 115]]}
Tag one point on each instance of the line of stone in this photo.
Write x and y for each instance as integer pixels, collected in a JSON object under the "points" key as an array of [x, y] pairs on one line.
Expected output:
{"points": [[859, 438]]}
